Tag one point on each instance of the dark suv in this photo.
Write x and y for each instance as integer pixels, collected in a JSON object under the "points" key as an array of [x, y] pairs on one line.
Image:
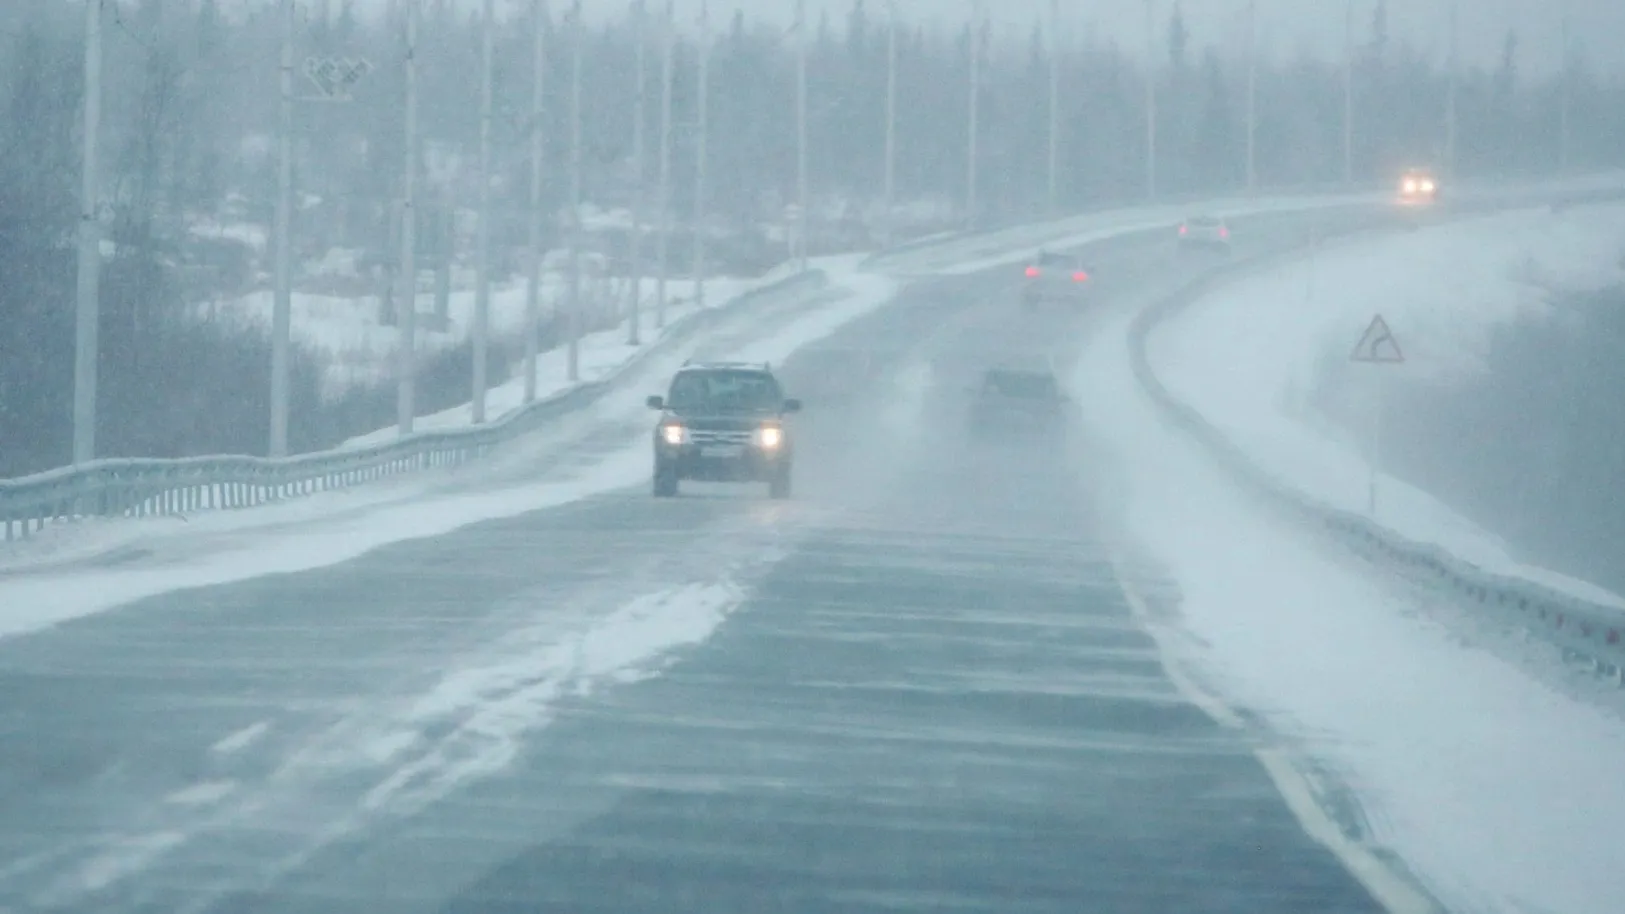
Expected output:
{"points": [[1017, 403], [723, 422]]}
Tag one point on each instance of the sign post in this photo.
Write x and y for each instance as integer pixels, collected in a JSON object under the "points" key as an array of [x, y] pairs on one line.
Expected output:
{"points": [[1377, 346]]}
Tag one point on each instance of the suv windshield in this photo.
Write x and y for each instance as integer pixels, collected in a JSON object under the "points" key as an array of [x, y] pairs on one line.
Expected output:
{"points": [[1019, 384], [725, 390]]}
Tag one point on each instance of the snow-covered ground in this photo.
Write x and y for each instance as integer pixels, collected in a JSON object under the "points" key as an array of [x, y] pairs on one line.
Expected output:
{"points": [[601, 354], [327, 528], [360, 350], [1499, 793], [1253, 356]]}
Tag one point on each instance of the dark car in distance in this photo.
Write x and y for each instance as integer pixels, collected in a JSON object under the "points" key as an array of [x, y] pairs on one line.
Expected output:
{"points": [[723, 422], [1017, 404]]}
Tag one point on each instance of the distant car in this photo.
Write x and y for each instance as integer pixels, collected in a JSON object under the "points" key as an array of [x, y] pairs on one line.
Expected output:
{"points": [[1418, 185], [1055, 277], [723, 422], [1017, 404], [1208, 232]]}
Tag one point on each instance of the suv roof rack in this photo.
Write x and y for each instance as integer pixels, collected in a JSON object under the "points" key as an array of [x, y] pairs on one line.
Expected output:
{"points": [[690, 363]]}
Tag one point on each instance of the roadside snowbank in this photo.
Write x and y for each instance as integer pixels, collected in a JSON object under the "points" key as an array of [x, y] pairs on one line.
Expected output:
{"points": [[1499, 794], [167, 554], [361, 350], [1252, 356]]}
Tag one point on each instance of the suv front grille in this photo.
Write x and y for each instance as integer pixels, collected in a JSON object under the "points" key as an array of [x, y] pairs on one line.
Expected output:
{"points": [[718, 436]]}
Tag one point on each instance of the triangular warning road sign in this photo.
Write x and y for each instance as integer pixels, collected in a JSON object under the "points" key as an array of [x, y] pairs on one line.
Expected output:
{"points": [[1377, 344]]}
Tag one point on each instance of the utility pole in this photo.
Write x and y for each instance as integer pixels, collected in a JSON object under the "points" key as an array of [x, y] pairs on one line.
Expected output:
{"points": [[1450, 100], [1054, 104], [1150, 101], [282, 295], [407, 310], [482, 261], [701, 152], [635, 242], [801, 134], [889, 187], [87, 313], [1565, 99], [1252, 96], [1348, 94], [574, 352], [972, 152], [663, 239], [533, 285]]}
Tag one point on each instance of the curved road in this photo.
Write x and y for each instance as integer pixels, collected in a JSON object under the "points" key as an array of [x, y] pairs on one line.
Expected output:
{"points": [[918, 686]]}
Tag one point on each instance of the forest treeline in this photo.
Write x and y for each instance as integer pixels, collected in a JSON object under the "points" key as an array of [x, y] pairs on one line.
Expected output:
{"points": [[189, 131]]}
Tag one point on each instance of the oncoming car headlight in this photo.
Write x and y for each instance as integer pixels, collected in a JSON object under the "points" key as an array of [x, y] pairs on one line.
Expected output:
{"points": [[1427, 186], [770, 437], [673, 434], [1410, 185]]}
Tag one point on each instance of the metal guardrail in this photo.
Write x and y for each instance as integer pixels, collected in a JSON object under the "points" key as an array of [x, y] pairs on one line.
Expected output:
{"points": [[149, 487], [1587, 629]]}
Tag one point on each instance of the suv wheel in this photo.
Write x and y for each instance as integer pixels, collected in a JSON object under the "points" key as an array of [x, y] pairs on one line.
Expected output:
{"points": [[779, 485], [665, 481]]}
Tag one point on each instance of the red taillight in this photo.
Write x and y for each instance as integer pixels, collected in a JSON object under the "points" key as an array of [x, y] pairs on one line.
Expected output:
{"points": [[1224, 232], [1032, 271], [1184, 230], [1080, 276]]}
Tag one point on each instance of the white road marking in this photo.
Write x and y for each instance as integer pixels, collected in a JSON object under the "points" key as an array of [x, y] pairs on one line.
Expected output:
{"points": [[1393, 890]]}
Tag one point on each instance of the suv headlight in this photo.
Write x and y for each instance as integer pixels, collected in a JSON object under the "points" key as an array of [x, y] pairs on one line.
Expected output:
{"points": [[673, 434], [769, 437]]}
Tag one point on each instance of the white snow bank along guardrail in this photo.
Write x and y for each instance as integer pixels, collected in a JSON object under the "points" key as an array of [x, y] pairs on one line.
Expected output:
{"points": [[969, 251], [1592, 628], [146, 487]]}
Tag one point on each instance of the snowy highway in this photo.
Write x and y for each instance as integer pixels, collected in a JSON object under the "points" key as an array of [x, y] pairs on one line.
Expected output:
{"points": [[920, 685]]}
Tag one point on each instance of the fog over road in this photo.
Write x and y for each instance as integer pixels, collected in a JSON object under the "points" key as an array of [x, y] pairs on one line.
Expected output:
{"points": [[916, 686]]}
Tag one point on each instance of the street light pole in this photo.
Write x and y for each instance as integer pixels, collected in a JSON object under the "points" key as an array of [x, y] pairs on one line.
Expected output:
{"points": [[801, 134], [1252, 96], [573, 366], [889, 181], [87, 313], [1348, 93], [407, 315], [1450, 99], [640, 35], [533, 284], [482, 263], [282, 295], [972, 152], [1150, 102], [1566, 97], [663, 195], [701, 152], [1054, 104]]}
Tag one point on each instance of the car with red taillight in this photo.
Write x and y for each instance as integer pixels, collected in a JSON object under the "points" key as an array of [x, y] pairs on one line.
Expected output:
{"points": [[1053, 276], [1208, 232]]}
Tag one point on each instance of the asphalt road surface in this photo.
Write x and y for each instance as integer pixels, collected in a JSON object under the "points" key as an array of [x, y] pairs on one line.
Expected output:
{"points": [[919, 688]]}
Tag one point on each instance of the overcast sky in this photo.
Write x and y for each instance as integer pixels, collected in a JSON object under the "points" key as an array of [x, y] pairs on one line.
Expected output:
{"points": [[1285, 26]]}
